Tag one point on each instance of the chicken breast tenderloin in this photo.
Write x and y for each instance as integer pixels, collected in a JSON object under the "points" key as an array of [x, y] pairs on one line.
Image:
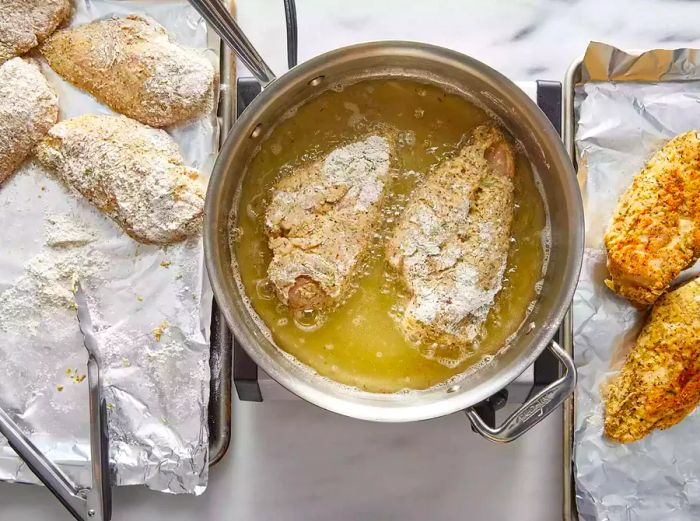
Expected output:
{"points": [[659, 384], [24, 24], [132, 65], [131, 172], [655, 230], [320, 222], [28, 109], [451, 243]]}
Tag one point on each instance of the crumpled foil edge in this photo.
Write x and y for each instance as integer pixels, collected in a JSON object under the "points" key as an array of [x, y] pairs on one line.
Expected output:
{"points": [[603, 62]]}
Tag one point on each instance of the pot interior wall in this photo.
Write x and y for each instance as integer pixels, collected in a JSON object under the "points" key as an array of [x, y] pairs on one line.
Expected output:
{"points": [[482, 86]]}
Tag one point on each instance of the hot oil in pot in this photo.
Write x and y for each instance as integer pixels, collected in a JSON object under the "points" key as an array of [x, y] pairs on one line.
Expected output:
{"points": [[359, 343]]}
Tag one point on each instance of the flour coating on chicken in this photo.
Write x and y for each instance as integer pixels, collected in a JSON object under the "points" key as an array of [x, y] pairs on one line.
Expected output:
{"points": [[321, 219], [451, 243]]}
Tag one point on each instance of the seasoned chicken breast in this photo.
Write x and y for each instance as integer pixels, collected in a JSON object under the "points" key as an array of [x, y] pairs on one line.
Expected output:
{"points": [[655, 230], [133, 66], [131, 172], [320, 222], [660, 382], [28, 109], [24, 24], [451, 243]]}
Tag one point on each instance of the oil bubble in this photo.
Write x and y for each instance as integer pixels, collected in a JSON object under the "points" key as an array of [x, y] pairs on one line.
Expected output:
{"points": [[358, 320], [236, 233], [265, 289], [308, 320], [252, 209], [250, 212]]}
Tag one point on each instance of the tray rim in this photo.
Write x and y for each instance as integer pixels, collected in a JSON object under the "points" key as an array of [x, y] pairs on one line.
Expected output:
{"points": [[221, 381], [570, 512]]}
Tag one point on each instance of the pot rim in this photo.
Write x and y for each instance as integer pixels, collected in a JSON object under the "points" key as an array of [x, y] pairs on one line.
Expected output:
{"points": [[391, 408]]}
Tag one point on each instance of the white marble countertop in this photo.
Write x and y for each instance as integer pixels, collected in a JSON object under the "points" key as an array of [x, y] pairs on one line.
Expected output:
{"points": [[523, 39], [291, 461]]}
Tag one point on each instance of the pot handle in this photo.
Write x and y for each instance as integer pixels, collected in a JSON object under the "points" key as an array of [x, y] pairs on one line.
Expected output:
{"points": [[218, 16], [535, 409]]}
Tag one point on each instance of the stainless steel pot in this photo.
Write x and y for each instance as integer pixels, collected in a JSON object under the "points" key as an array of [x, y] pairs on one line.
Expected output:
{"points": [[482, 85]]}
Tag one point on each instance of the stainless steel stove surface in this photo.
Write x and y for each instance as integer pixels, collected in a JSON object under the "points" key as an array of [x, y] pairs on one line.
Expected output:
{"points": [[291, 461], [294, 461]]}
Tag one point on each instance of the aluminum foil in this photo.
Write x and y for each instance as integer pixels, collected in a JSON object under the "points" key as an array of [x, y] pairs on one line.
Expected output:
{"points": [[151, 306], [626, 109]]}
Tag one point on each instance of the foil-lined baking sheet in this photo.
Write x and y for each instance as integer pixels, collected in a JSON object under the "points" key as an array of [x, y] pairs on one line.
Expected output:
{"points": [[627, 107], [151, 306]]}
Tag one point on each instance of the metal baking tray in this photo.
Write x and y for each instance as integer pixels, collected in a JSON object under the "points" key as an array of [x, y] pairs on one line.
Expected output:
{"points": [[221, 341], [220, 357], [570, 513], [219, 415]]}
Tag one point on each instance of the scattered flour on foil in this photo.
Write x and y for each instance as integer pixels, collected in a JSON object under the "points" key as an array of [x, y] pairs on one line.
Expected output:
{"points": [[66, 231], [48, 278]]}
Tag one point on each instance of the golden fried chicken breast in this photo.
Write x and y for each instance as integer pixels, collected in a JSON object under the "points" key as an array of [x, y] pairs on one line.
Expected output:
{"points": [[451, 243], [131, 172], [659, 384], [24, 24], [320, 222], [28, 109], [655, 230], [133, 66]]}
